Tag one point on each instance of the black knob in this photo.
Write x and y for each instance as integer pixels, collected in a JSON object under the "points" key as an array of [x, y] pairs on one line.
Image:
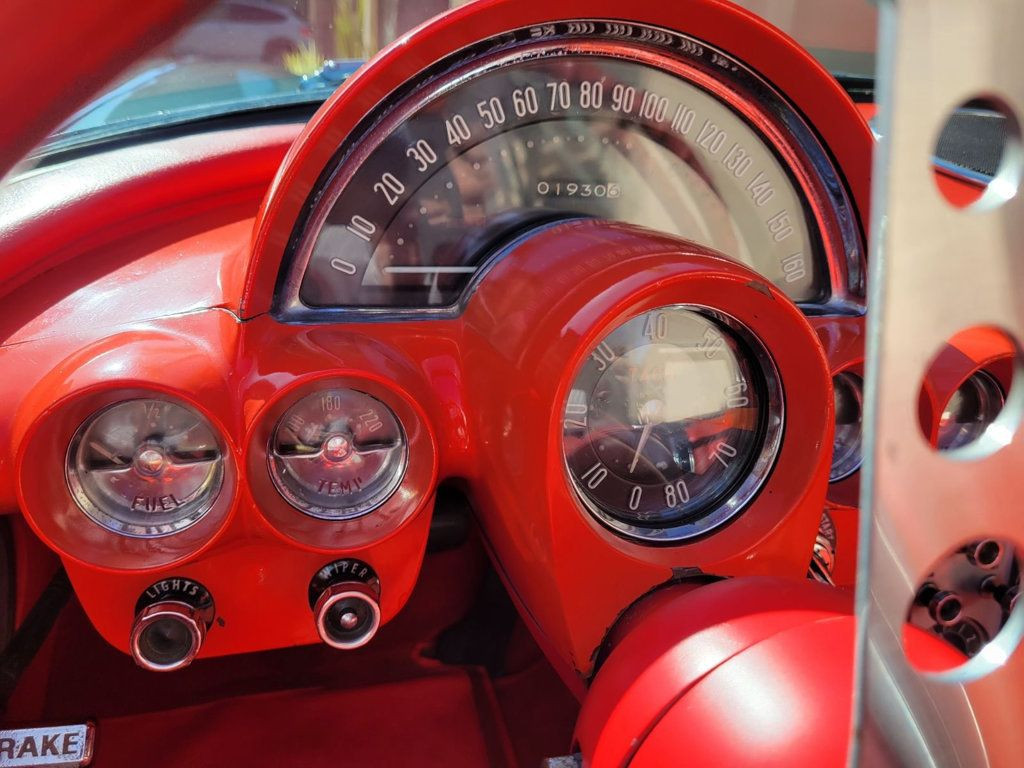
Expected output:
{"points": [[968, 636], [167, 636], [347, 615]]}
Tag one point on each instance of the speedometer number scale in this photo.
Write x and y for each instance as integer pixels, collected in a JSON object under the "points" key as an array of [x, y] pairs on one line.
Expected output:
{"points": [[661, 132], [672, 423]]}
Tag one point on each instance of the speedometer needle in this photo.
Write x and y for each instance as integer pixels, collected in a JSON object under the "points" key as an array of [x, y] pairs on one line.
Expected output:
{"points": [[640, 446]]}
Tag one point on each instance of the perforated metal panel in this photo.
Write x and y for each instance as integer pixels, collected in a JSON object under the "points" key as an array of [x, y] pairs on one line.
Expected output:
{"points": [[936, 270]]}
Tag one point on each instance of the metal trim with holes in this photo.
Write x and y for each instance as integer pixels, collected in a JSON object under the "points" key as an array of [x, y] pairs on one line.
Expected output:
{"points": [[935, 271]]}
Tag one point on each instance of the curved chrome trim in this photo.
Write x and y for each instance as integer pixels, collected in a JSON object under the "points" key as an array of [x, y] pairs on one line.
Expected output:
{"points": [[344, 591], [960, 173], [737, 86], [176, 611], [847, 469]]}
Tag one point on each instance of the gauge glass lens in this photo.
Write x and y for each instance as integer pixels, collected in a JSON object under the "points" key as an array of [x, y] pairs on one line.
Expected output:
{"points": [[970, 411], [672, 423], [145, 467], [541, 133], [338, 454], [847, 391]]}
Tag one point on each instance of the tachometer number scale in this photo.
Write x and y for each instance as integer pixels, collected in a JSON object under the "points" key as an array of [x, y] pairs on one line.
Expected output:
{"points": [[671, 424]]}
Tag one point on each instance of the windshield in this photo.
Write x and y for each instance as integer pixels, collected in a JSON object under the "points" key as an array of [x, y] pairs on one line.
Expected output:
{"points": [[254, 54]]}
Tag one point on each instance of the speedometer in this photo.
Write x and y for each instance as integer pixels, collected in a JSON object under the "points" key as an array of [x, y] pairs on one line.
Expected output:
{"points": [[665, 133]]}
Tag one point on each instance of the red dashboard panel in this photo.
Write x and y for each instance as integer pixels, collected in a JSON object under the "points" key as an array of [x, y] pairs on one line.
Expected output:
{"points": [[171, 290], [157, 271]]}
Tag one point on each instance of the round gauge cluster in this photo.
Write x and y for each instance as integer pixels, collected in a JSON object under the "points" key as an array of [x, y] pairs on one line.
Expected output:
{"points": [[337, 454], [145, 467], [672, 423], [580, 126], [152, 467]]}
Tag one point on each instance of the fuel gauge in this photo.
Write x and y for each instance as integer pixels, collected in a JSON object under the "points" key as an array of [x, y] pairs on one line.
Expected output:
{"points": [[145, 467], [337, 454]]}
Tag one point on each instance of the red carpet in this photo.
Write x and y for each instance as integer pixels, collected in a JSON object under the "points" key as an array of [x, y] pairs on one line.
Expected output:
{"points": [[432, 721], [383, 705]]}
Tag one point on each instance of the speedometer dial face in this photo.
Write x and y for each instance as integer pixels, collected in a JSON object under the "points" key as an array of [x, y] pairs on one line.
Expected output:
{"points": [[672, 424], [577, 127]]}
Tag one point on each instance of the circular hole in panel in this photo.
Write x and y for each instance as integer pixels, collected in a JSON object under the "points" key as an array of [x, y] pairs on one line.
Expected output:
{"points": [[968, 406], [964, 620], [978, 155]]}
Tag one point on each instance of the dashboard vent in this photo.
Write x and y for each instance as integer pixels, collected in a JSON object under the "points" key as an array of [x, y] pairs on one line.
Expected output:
{"points": [[973, 140]]}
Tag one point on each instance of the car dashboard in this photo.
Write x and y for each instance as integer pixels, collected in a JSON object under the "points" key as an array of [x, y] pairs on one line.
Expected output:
{"points": [[596, 272]]}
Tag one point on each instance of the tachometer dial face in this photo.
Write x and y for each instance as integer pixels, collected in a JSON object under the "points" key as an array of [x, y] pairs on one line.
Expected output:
{"points": [[580, 127], [145, 468], [338, 454], [672, 423]]}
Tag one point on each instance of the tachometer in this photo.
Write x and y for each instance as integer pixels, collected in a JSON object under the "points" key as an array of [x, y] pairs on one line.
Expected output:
{"points": [[605, 120], [672, 424]]}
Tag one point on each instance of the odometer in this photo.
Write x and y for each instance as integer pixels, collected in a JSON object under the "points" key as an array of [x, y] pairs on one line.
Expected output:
{"points": [[662, 132]]}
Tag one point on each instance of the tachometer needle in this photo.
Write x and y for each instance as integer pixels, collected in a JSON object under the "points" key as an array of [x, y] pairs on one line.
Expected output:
{"points": [[640, 446]]}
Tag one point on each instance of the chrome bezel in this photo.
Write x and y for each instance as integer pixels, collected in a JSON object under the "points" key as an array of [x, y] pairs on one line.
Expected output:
{"points": [[853, 462], [988, 385], [111, 522], [178, 611], [760, 469], [338, 514], [832, 219]]}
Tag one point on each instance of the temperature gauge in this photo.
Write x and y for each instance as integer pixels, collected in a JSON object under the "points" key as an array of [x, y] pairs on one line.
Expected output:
{"points": [[145, 467], [338, 454]]}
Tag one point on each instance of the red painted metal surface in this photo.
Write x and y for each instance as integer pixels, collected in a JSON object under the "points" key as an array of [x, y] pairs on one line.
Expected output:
{"points": [[748, 671], [121, 205], [133, 285], [264, 555], [524, 340]]}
